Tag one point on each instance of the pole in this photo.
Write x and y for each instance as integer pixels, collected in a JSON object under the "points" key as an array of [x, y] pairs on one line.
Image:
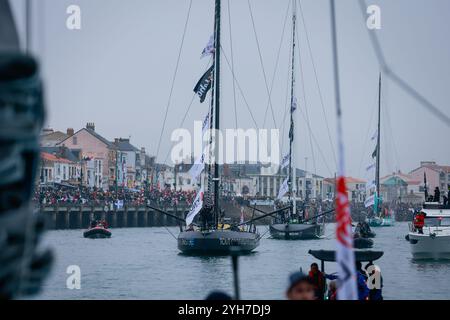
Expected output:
{"points": [[217, 108], [234, 260], [292, 172], [377, 174], [117, 175]]}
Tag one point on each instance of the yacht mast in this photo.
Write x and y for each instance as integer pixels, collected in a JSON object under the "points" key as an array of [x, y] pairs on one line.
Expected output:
{"points": [[377, 173], [292, 172], [217, 107]]}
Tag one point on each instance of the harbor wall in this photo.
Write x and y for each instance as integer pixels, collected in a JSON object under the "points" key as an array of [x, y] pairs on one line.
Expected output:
{"points": [[79, 216]]}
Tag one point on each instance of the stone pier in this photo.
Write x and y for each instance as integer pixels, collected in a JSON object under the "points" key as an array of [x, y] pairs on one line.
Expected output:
{"points": [[79, 216]]}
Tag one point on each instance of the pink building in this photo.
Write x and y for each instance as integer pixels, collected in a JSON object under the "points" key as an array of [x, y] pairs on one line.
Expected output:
{"points": [[437, 176], [98, 154]]}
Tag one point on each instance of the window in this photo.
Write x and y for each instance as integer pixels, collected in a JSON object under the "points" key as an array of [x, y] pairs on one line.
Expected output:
{"points": [[437, 221], [74, 140]]}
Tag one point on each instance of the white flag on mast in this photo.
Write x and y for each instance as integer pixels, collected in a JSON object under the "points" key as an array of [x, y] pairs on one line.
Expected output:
{"points": [[198, 166], [285, 161], [209, 49], [375, 135], [205, 124], [196, 207], [283, 189], [370, 201]]}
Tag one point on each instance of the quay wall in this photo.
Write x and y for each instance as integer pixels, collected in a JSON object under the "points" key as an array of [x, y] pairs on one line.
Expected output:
{"points": [[79, 216]]}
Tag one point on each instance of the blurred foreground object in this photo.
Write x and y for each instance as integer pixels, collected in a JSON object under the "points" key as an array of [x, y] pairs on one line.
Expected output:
{"points": [[9, 39], [22, 265]]}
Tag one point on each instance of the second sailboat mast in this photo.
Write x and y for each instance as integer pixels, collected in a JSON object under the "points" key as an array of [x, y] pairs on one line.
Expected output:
{"points": [[377, 174], [292, 171], [217, 107]]}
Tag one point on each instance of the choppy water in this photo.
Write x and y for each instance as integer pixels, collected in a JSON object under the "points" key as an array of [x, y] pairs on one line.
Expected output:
{"points": [[144, 263]]}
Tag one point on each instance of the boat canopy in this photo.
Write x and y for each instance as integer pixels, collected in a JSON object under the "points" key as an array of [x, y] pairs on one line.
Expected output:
{"points": [[362, 256]]}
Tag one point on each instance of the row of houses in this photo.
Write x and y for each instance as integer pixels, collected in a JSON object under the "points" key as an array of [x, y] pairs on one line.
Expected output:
{"points": [[86, 158]]}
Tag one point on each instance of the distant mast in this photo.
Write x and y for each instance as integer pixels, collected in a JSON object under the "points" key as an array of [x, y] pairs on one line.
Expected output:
{"points": [[217, 106], [292, 172], [377, 173]]}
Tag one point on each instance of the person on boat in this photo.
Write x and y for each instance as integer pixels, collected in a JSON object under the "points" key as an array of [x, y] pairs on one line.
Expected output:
{"points": [[437, 195], [375, 293], [93, 223], [300, 287], [448, 196], [104, 223], [332, 291], [361, 278], [419, 222], [318, 279]]}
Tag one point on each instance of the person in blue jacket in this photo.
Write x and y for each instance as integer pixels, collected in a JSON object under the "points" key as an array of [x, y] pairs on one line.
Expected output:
{"points": [[363, 290]]}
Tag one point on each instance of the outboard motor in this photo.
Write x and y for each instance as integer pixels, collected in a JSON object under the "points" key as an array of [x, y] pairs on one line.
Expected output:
{"points": [[22, 265]]}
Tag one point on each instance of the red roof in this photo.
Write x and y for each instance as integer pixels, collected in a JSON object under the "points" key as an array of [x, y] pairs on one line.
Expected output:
{"points": [[53, 158]]}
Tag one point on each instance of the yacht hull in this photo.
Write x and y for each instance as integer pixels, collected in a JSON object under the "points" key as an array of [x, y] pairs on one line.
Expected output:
{"points": [[380, 222], [429, 246], [297, 231], [217, 242]]}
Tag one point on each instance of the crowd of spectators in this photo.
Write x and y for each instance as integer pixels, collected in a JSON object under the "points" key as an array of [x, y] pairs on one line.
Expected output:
{"points": [[68, 195], [53, 195]]}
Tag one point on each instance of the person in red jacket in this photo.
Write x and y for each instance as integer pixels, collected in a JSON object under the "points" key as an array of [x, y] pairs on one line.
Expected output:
{"points": [[419, 222], [318, 279]]}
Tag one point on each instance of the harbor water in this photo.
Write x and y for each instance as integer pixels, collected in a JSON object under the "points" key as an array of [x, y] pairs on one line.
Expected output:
{"points": [[144, 263]]}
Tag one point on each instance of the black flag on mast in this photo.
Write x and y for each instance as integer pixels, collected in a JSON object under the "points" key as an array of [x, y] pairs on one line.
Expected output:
{"points": [[374, 153], [204, 84]]}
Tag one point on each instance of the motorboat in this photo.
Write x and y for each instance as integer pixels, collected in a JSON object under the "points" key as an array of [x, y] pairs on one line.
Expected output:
{"points": [[432, 241]]}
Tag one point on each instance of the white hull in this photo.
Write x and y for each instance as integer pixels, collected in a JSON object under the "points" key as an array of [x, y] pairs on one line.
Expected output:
{"points": [[430, 245]]}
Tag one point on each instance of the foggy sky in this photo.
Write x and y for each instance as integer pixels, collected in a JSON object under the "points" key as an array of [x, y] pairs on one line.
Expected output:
{"points": [[117, 71]]}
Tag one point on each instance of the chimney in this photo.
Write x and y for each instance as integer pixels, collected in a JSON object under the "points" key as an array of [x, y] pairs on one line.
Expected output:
{"points": [[90, 126], [70, 132]]}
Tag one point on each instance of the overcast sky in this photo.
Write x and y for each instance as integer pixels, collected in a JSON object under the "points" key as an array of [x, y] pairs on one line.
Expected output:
{"points": [[117, 72]]}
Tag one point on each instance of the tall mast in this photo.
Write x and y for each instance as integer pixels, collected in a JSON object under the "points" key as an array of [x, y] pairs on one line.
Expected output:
{"points": [[377, 173], [217, 106], [292, 173]]}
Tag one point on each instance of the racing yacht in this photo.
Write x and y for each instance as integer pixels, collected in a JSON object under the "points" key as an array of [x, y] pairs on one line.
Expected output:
{"points": [[434, 240]]}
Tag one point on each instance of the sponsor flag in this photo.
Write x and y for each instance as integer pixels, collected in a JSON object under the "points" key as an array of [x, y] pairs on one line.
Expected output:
{"points": [[370, 167], [345, 256], [198, 167], [204, 84], [283, 189], [375, 135], [370, 201], [196, 207], [374, 153], [294, 105], [285, 161], [209, 49], [205, 124], [291, 131], [370, 184]]}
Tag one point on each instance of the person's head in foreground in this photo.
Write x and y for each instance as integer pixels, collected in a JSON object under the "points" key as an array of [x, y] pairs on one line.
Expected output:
{"points": [[300, 287]]}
